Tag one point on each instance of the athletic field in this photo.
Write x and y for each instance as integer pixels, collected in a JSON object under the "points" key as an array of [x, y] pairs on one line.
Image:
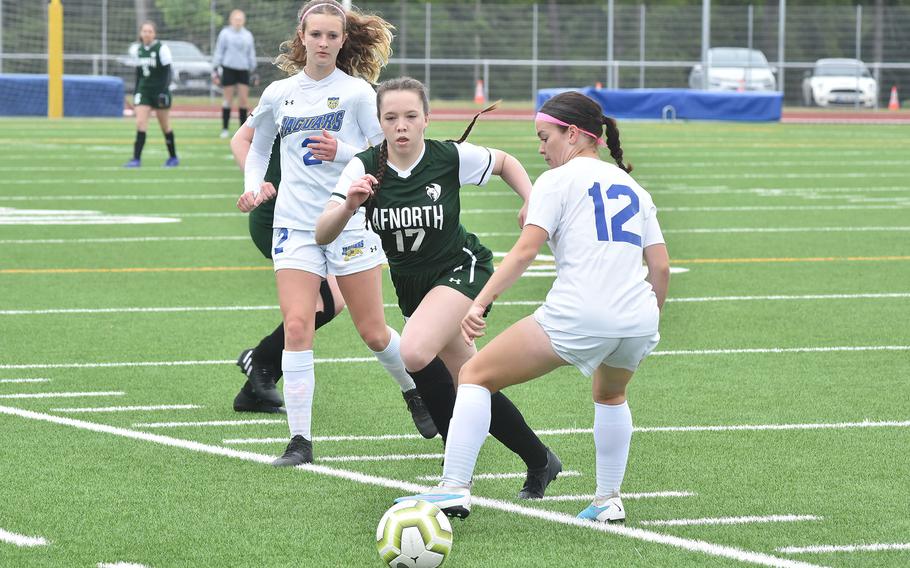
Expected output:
{"points": [[772, 422]]}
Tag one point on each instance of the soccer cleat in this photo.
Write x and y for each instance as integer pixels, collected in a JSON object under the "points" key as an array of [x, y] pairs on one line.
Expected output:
{"points": [[420, 414], [172, 162], [453, 501], [539, 478], [261, 378], [299, 451], [609, 511], [134, 163], [225, 133], [247, 401]]}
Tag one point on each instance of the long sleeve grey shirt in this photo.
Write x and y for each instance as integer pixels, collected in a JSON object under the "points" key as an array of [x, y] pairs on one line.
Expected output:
{"points": [[235, 49]]}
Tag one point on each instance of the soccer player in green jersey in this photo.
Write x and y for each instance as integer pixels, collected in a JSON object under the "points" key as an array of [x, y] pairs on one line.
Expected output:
{"points": [[153, 79], [411, 187]]}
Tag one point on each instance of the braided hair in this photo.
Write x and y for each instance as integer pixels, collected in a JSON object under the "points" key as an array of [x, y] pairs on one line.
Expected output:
{"points": [[575, 108], [406, 84]]}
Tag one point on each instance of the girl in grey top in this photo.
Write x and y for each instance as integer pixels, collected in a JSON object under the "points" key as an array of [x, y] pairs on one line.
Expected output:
{"points": [[235, 62]]}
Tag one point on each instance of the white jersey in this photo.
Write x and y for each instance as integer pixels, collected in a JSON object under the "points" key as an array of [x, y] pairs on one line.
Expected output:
{"points": [[299, 107], [599, 220]]}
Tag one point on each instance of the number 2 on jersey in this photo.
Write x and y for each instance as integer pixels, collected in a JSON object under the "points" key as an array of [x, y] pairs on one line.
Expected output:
{"points": [[308, 159], [616, 222]]}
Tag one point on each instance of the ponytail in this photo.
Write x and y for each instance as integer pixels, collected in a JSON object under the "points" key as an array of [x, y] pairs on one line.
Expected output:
{"points": [[467, 131], [612, 136]]}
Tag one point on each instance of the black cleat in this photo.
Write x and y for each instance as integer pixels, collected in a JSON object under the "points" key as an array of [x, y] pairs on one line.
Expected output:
{"points": [[299, 451], [261, 378], [247, 401], [420, 414], [538, 478]]}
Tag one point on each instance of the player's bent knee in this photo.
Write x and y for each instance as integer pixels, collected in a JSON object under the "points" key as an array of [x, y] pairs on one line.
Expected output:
{"points": [[415, 357], [472, 374], [297, 331]]}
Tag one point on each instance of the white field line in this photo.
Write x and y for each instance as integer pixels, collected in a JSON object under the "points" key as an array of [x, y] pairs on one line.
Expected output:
{"points": [[799, 191], [178, 309], [731, 520], [774, 175], [691, 545], [22, 540], [342, 360], [210, 423], [716, 209], [134, 181], [750, 230], [119, 240], [115, 197], [820, 549], [128, 408], [24, 381], [120, 565], [588, 431], [61, 394], [382, 458], [496, 476], [629, 496]]}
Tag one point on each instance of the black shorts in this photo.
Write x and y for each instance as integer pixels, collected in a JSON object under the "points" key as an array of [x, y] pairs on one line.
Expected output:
{"points": [[231, 76]]}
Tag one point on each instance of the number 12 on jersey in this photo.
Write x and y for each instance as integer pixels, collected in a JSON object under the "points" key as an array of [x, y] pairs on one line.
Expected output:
{"points": [[616, 221]]}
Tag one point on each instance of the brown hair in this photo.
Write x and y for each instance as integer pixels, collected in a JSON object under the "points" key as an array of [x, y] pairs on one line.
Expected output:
{"points": [[406, 84], [365, 51], [584, 112]]}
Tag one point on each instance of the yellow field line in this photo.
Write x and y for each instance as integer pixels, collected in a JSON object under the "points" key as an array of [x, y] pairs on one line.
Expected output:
{"points": [[249, 268]]}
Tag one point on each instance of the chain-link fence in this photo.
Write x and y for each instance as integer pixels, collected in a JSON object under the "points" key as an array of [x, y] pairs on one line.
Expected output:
{"points": [[515, 49]]}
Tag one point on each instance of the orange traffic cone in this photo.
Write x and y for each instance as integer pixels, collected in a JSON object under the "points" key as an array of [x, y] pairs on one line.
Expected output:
{"points": [[479, 97], [894, 104]]}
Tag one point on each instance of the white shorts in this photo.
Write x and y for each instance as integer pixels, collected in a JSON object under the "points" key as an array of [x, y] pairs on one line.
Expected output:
{"points": [[588, 353], [355, 250]]}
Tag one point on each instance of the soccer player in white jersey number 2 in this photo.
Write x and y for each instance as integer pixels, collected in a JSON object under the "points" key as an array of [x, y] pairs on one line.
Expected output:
{"points": [[601, 315], [324, 114]]}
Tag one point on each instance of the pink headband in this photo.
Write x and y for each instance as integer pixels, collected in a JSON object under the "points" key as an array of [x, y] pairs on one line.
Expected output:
{"points": [[553, 120], [307, 13]]}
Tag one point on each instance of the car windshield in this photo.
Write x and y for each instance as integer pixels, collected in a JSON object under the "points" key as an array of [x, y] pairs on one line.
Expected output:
{"points": [[737, 57], [841, 70], [183, 50]]}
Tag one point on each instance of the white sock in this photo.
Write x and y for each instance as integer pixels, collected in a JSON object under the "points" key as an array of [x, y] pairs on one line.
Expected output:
{"points": [[612, 438], [299, 382], [467, 431], [390, 358]]}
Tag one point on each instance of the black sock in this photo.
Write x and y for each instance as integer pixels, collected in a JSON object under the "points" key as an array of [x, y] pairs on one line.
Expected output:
{"points": [[138, 145], [509, 427], [169, 140], [328, 305], [225, 117], [436, 388], [268, 352], [242, 112]]}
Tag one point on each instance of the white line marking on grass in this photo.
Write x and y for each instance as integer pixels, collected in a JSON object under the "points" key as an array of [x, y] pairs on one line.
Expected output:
{"points": [[24, 380], [129, 408], [119, 240], [749, 230], [22, 540], [209, 423], [61, 394], [389, 457], [685, 352], [520, 475], [357, 438], [142, 197], [125, 181], [715, 209], [121, 565], [180, 309], [843, 548], [630, 532], [632, 496], [730, 520]]}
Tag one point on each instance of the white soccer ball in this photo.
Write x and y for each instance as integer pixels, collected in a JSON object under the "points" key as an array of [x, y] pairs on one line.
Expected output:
{"points": [[414, 534]]}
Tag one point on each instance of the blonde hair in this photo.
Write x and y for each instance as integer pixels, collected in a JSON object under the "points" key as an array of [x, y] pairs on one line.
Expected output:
{"points": [[365, 51]]}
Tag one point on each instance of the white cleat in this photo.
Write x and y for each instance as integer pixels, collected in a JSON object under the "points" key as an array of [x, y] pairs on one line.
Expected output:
{"points": [[225, 133], [453, 501], [605, 511]]}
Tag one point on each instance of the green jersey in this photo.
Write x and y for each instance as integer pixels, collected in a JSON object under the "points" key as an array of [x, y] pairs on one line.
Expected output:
{"points": [[153, 75], [418, 212]]}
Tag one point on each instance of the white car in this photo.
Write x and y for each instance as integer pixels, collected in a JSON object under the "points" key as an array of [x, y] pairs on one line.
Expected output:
{"points": [[734, 69], [839, 81]]}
